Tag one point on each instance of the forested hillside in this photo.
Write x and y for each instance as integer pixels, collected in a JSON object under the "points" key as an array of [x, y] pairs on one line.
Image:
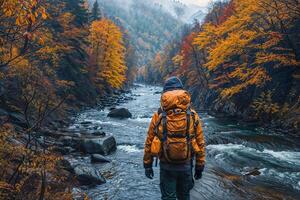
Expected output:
{"points": [[243, 61], [150, 26]]}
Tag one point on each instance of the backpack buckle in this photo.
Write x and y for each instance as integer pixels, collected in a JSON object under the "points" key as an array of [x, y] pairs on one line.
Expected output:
{"points": [[177, 110]]}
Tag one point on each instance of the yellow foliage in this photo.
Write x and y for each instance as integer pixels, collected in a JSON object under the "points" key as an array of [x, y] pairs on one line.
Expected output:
{"points": [[108, 49], [206, 37], [249, 33], [177, 60], [233, 45], [287, 59], [25, 18], [25, 12]]}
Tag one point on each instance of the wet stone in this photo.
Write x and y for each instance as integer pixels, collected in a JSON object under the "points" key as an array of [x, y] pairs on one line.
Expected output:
{"points": [[97, 158], [66, 165], [86, 123], [88, 175], [100, 145], [99, 133], [253, 172], [120, 113]]}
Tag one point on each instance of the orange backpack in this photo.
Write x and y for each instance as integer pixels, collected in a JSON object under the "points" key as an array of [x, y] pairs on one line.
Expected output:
{"points": [[173, 138]]}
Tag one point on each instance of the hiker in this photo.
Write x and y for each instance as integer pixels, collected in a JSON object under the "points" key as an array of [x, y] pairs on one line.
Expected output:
{"points": [[175, 137]]}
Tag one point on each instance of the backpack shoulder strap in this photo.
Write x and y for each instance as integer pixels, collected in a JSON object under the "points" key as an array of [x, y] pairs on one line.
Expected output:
{"points": [[195, 122], [164, 123], [159, 112], [188, 121]]}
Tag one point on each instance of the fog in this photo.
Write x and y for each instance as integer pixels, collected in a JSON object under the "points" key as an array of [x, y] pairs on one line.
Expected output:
{"points": [[184, 10], [201, 3]]}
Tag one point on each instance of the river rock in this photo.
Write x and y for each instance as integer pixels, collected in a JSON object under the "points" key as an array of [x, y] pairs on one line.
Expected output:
{"points": [[97, 158], [99, 133], [112, 108], [66, 165], [70, 141], [63, 149], [120, 113], [86, 123], [253, 172], [88, 175], [101, 145]]}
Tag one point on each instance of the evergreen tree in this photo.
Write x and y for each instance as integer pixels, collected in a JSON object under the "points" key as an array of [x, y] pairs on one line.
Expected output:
{"points": [[96, 14], [78, 10]]}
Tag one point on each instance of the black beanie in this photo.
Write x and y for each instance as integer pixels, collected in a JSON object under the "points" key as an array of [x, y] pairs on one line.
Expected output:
{"points": [[172, 83]]}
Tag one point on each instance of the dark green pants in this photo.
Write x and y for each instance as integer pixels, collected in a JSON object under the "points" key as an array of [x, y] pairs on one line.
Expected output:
{"points": [[175, 184]]}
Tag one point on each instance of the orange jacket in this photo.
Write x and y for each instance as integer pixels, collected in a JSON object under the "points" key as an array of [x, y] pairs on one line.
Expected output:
{"points": [[170, 100]]}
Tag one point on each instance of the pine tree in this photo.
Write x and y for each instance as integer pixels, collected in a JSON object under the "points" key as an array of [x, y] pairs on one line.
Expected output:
{"points": [[78, 9], [96, 14]]}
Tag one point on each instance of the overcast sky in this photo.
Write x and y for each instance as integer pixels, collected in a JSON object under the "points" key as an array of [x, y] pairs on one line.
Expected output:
{"points": [[202, 3]]}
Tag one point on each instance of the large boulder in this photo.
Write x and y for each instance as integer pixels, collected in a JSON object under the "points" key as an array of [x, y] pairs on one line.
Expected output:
{"points": [[97, 158], [88, 175], [100, 145], [120, 113]]}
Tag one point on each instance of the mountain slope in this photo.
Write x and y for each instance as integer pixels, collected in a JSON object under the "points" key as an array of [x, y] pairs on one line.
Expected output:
{"points": [[149, 25]]}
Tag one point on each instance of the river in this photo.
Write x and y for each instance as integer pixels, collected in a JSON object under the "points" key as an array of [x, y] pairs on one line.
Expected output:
{"points": [[233, 150]]}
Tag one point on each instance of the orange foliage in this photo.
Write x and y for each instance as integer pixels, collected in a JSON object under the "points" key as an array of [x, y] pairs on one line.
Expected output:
{"points": [[246, 31], [109, 52], [24, 19]]}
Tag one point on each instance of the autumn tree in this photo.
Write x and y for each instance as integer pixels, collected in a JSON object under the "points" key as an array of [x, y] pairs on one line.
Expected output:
{"points": [[244, 45], [19, 23], [31, 54], [109, 53], [155, 70]]}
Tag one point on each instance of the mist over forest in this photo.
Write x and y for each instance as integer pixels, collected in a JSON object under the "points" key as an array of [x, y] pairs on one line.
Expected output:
{"points": [[151, 24]]}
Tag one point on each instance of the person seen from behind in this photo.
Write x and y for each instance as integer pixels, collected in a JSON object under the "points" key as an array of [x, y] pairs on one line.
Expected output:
{"points": [[175, 137]]}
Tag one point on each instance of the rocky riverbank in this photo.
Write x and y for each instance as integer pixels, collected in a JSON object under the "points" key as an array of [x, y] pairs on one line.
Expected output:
{"points": [[86, 141], [239, 108], [83, 141]]}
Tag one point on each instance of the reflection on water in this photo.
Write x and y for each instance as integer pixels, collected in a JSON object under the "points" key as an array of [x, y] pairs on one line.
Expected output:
{"points": [[243, 162]]}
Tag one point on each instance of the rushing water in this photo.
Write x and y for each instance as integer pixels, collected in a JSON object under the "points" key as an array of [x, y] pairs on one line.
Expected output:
{"points": [[233, 150]]}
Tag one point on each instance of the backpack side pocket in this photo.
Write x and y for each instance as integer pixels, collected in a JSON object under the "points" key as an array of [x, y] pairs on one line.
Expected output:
{"points": [[156, 147]]}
